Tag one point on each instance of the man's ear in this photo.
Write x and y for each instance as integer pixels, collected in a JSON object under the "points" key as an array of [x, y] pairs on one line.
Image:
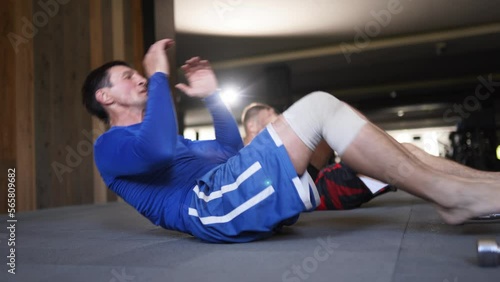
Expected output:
{"points": [[102, 97]]}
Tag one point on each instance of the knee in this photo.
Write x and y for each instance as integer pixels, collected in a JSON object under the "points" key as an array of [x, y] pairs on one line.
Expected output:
{"points": [[319, 94], [321, 98]]}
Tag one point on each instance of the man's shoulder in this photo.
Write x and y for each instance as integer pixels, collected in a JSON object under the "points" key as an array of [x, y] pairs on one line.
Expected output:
{"points": [[113, 134]]}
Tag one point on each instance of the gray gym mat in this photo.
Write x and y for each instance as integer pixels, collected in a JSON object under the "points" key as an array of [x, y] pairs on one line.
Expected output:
{"points": [[396, 237]]}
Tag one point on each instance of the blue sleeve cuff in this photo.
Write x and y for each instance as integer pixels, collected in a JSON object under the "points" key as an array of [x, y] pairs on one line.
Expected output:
{"points": [[214, 98], [156, 79]]}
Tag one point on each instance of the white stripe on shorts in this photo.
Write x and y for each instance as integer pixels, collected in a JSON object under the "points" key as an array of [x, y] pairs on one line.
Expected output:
{"points": [[274, 135], [307, 181], [230, 187], [235, 212], [304, 185], [303, 192]]}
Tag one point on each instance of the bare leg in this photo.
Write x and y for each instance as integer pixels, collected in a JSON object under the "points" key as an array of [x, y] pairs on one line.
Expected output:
{"points": [[441, 164], [376, 154], [450, 167], [297, 150], [321, 155]]}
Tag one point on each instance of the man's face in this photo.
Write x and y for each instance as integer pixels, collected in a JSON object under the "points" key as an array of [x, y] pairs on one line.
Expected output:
{"points": [[129, 88]]}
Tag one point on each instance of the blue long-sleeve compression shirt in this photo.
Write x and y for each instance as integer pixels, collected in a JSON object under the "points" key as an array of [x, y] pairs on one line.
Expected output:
{"points": [[152, 167]]}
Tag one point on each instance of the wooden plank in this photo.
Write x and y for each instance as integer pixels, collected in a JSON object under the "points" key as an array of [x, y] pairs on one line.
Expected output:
{"points": [[165, 28], [76, 62], [118, 35], [108, 55], [107, 30], [63, 190], [49, 149], [128, 45], [96, 59], [63, 155], [137, 34], [25, 134], [118, 30], [8, 97]]}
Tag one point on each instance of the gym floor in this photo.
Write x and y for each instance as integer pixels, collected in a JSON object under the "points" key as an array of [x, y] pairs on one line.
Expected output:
{"points": [[396, 237]]}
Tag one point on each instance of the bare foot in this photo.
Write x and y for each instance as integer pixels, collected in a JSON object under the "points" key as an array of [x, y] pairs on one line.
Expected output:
{"points": [[454, 216], [477, 200]]}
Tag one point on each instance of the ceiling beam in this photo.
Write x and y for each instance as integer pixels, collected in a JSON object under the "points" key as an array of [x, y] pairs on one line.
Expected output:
{"points": [[411, 85], [339, 49]]}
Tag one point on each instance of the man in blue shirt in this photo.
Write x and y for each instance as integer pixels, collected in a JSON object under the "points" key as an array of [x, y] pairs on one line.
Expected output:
{"points": [[221, 192]]}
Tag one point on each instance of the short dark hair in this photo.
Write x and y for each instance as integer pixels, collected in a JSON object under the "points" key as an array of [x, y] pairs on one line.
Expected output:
{"points": [[252, 110], [96, 80]]}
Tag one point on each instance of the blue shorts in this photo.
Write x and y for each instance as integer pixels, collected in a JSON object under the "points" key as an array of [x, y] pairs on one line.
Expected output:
{"points": [[251, 196]]}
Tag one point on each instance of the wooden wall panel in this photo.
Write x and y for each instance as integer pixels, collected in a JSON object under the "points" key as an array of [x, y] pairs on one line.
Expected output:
{"points": [[47, 59], [17, 138], [7, 96], [17, 149], [165, 28], [25, 139], [118, 32], [47, 134], [63, 154], [137, 34], [108, 43], [96, 59], [76, 64], [128, 33], [107, 31]]}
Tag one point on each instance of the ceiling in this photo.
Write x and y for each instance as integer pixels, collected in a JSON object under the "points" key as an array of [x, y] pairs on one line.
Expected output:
{"points": [[386, 57]]}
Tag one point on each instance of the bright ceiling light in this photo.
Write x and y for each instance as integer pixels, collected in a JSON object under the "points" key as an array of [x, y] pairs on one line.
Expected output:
{"points": [[266, 18], [498, 152], [229, 95]]}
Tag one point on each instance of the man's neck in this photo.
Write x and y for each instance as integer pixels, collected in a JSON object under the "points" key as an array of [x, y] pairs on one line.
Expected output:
{"points": [[127, 117]]}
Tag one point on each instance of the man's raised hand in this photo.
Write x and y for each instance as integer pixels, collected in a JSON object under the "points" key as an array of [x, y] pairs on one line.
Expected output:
{"points": [[156, 59], [201, 78]]}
